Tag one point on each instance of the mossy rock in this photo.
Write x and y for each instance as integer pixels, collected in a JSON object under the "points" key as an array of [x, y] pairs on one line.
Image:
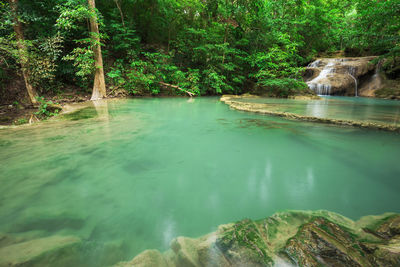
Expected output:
{"points": [[300, 238], [388, 93], [245, 239], [322, 242]]}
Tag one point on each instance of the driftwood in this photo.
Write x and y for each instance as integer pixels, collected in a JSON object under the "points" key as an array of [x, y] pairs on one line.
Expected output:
{"points": [[176, 87]]}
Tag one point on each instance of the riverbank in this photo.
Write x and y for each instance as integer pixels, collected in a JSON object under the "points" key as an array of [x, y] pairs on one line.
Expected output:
{"points": [[17, 113]]}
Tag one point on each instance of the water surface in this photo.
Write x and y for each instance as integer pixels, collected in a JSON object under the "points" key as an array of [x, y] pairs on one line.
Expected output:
{"points": [[337, 107], [131, 175]]}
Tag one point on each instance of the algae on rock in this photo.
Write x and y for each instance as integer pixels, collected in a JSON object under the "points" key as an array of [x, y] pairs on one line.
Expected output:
{"points": [[37, 252], [300, 238]]}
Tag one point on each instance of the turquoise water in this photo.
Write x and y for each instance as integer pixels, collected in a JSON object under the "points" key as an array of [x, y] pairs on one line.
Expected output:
{"points": [[133, 174], [337, 107]]}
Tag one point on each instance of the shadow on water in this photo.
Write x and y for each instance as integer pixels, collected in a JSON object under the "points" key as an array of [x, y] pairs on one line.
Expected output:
{"points": [[82, 114], [261, 123], [94, 109], [49, 224], [252, 122]]}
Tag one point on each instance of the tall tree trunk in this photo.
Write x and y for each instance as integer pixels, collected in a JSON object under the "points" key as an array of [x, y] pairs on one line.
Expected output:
{"points": [[99, 85], [22, 51]]}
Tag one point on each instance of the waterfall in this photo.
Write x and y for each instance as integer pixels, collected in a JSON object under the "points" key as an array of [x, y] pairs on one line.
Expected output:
{"points": [[355, 82], [320, 89], [314, 64], [352, 72], [318, 85], [333, 72]]}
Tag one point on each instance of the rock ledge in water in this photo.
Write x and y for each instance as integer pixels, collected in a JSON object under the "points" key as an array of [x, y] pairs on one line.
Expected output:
{"points": [[300, 238], [231, 100]]}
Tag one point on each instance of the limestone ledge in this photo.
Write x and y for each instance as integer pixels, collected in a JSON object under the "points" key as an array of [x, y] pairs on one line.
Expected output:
{"points": [[263, 109], [292, 238]]}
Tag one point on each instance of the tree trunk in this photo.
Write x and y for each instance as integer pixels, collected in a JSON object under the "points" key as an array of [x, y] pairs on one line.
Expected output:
{"points": [[225, 36], [169, 36], [22, 51], [120, 12], [99, 85]]}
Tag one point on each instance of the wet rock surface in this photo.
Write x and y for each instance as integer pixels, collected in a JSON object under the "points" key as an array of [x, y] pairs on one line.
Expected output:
{"points": [[293, 238], [339, 76]]}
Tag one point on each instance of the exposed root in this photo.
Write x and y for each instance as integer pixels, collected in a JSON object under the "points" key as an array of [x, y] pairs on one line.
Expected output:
{"points": [[33, 119]]}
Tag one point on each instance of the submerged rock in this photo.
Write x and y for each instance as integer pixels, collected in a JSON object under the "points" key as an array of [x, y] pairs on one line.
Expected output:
{"points": [[33, 252], [294, 238]]}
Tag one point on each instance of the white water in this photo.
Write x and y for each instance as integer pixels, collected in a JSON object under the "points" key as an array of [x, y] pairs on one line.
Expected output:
{"points": [[320, 84], [356, 84], [316, 84]]}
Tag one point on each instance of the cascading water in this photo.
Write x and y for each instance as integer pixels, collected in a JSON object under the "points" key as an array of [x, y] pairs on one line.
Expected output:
{"points": [[317, 84], [355, 83], [352, 72], [331, 69], [314, 64]]}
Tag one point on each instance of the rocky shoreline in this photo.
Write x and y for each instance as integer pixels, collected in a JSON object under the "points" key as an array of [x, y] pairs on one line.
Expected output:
{"points": [[292, 238], [231, 100]]}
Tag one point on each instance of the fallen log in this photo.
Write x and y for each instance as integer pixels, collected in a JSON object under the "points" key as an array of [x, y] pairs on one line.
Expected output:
{"points": [[176, 87]]}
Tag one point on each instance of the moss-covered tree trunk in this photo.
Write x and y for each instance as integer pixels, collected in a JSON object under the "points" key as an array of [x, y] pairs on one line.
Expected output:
{"points": [[22, 51], [99, 85]]}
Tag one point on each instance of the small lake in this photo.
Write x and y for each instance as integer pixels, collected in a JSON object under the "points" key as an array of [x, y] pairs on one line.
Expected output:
{"points": [[131, 175]]}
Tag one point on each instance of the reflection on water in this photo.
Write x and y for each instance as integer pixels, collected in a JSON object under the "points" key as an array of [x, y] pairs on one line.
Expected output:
{"points": [[101, 107], [317, 108], [125, 176], [348, 108], [169, 231]]}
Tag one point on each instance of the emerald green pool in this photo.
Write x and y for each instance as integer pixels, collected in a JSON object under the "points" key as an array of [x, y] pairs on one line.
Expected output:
{"points": [[133, 174]]}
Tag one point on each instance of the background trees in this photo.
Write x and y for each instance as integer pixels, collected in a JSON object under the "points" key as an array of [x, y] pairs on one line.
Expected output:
{"points": [[22, 56], [204, 46]]}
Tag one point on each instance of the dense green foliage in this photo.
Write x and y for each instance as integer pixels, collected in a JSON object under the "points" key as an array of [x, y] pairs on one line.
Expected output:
{"points": [[203, 46], [46, 108]]}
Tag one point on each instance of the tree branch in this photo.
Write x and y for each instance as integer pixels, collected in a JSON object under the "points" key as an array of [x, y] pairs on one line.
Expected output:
{"points": [[176, 87]]}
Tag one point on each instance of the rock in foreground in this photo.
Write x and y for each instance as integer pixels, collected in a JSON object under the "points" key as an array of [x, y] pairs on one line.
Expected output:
{"points": [[295, 238]]}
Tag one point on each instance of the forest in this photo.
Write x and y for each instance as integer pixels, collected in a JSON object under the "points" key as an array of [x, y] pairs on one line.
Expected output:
{"points": [[174, 47]]}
